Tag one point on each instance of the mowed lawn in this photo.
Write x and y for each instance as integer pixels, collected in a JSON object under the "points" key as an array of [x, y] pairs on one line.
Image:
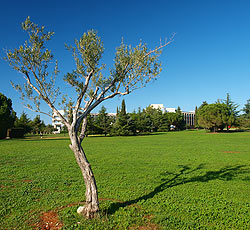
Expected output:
{"points": [[174, 180]]}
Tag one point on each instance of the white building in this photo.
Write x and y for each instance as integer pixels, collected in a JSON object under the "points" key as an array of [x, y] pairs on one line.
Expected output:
{"points": [[170, 110], [57, 122], [189, 116], [158, 106]]}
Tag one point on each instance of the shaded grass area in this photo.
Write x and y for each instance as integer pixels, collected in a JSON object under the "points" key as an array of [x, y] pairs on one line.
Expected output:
{"points": [[175, 180]]}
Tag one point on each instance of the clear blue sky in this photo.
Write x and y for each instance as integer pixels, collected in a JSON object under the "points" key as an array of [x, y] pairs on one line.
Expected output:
{"points": [[209, 57]]}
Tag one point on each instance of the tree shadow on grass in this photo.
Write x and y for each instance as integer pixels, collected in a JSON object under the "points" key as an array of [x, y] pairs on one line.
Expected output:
{"points": [[184, 176]]}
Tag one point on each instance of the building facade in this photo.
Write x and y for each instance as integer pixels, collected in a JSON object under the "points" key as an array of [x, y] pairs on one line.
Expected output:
{"points": [[57, 122], [189, 117]]}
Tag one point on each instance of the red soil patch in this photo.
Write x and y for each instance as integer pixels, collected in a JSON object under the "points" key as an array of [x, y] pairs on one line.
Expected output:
{"points": [[49, 221], [27, 181], [149, 226], [231, 152], [149, 217]]}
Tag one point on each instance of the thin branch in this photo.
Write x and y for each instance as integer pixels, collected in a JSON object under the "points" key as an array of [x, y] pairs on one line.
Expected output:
{"points": [[38, 111], [79, 100], [46, 99], [161, 46], [34, 73]]}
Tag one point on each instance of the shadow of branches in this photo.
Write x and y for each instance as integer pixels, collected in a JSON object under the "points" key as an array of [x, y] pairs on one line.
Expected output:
{"points": [[184, 176]]}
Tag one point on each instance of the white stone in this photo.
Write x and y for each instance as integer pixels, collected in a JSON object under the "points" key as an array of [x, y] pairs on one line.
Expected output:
{"points": [[80, 209]]}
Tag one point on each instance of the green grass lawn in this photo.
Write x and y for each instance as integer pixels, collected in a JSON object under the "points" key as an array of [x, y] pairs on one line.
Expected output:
{"points": [[174, 180]]}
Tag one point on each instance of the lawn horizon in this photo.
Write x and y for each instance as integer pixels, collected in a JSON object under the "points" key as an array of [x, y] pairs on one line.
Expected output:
{"points": [[173, 180]]}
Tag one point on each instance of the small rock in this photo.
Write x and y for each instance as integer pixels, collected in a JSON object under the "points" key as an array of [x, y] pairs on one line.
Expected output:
{"points": [[80, 209]]}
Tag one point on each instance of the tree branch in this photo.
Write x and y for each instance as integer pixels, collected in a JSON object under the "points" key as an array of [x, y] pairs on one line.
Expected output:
{"points": [[46, 99], [161, 46], [38, 111]]}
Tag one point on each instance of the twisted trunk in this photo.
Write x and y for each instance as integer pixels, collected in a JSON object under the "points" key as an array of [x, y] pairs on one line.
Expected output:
{"points": [[91, 207]]}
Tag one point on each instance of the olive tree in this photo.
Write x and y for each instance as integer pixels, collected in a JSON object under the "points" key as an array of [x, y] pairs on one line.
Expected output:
{"points": [[133, 68]]}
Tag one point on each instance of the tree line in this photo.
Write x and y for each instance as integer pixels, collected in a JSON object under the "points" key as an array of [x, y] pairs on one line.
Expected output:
{"points": [[19, 125], [223, 114], [138, 122]]}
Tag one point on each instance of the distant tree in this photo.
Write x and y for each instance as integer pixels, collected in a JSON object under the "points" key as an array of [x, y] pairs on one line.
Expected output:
{"points": [[244, 119], [49, 129], [64, 130], [133, 68], [232, 108], [132, 124], [121, 126], [180, 122], [246, 108], [155, 117], [204, 103], [165, 123], [24, 122], [103, 121], [141, 123], [38, 125], [7, 115], [92, 127], [213, 116], [176, 119]]}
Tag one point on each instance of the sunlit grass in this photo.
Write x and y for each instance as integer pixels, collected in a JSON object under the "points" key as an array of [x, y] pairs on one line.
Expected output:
{"points": [[175, 180]]}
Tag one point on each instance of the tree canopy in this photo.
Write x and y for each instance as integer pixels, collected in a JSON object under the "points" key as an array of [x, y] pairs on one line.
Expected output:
{"points": [[246, 108], [213, 116], [7, 115]]}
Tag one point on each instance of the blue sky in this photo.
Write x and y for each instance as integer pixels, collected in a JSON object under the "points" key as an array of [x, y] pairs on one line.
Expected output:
{"points": [[209, 57]]}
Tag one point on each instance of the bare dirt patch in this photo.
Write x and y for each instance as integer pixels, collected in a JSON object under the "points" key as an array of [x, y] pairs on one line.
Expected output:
{"points": [[27, 181], [149, 226], [49, 221], [231, 152]]}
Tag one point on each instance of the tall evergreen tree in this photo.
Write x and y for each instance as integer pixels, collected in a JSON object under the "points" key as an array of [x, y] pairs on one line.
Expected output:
{"points": [[232, 108], [37, 125], [103, 121], [180, 123], [121, 126], [7, 115], [246, 108], [155, 116], [24, 122]]}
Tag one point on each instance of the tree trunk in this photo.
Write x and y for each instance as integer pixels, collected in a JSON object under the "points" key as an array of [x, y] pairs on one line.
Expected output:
{"points": [[91, 207]]}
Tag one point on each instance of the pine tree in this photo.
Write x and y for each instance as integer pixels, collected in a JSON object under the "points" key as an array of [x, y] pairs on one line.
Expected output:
{"points": [[121, 126], [232, 108], [103, 121], [24, 123]]}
